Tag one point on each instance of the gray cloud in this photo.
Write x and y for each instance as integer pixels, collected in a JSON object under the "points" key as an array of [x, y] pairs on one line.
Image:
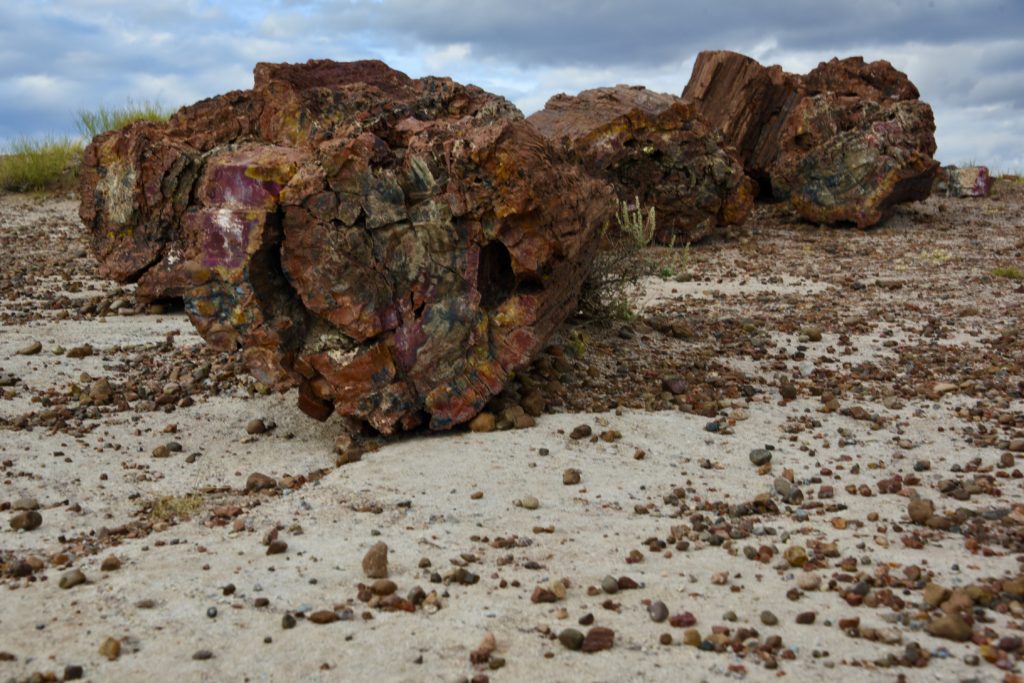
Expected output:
{"points": [[966, 56]]}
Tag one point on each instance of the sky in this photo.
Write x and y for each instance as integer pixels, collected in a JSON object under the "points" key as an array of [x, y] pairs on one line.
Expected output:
{"points": [[59, 56]]}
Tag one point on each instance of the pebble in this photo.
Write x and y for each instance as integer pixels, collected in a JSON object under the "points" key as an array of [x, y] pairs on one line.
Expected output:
{"points": [[375, 562], [25, 504], [920, 510], [598, 638], [806, 617], [529, 503], [255, 426], [73, 672], [571, 476], [26, 520], [610, 585], [30, 349], [277, 547], [257, 481], [571, 639], [161, 451], [287, 621], [101, 391], [201, 655], [768, 618], [323, 616], [383, 587], [483, 422], [581, 432], [71, 578], [808, 581], [211, 612], [110, 563], [691, 637], [950, 627], [658, 611], [796, 556], [110, 648], [760, 456]]}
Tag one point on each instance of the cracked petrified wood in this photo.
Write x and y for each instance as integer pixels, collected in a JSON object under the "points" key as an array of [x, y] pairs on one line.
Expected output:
{"points": [[393, 247], [653, 147], [845, 143]]}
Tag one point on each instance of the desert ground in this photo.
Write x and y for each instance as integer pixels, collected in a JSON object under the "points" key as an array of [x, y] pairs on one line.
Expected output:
{"points": [[800, 460]]}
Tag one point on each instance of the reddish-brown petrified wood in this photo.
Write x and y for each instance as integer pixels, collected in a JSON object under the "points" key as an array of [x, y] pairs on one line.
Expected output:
{"points": [[393, 247], [843, 144], [653, 147]]}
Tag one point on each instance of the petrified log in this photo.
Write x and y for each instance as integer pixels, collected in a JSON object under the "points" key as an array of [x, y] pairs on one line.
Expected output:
{"points": [[393, 247], [653, 147], [843, 144]]}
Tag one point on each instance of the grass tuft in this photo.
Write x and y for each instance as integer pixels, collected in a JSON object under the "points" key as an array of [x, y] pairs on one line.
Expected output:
{"points": [[34, 165], [1011, 272], [92, 123], [176, 508]]}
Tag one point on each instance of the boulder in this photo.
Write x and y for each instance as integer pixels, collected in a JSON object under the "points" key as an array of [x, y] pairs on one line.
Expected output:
{"points": [[652, 147], [843, 144], [395, 248]]}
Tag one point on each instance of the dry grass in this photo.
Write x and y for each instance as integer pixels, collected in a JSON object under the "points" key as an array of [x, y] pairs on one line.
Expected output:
{"points": [[1011, 272], [34, 165], [176, 508]]}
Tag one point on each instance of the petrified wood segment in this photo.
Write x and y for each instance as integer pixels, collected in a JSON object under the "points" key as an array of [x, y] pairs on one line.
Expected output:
{"points": [[393, 247], [652, 146], [843, 144]]}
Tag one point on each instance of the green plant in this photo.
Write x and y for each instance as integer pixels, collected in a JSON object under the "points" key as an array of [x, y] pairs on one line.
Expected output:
{"points": [[1011, 272], [49, 163], [180, 508], [620, 265], [92, 123]]}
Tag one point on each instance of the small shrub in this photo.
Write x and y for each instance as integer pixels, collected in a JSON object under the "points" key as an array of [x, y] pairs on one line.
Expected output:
{"points": [[176, 508], [621, 265], [1011, 272], [92, 123], [47, 164]]}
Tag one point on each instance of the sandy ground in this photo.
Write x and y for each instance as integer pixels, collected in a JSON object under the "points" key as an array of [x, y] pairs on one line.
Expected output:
{"points": [[932, 366]]}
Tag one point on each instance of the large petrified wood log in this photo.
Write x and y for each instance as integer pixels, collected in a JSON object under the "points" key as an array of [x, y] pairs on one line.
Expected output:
{"points": [[653, 147], [393, 247], [843, 144]]}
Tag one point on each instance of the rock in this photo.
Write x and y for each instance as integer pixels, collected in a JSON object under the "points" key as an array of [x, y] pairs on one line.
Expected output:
{"points": [[691, 637], [277, 547], [806, 617], [27, 520], [571, 639], [808, 581], [73, 672], [934, 595], [101, 391], [529, 503], [658, 611], [653, 148], [257, 481], [571, 476], [25, 504], [598, 638], [30, 349], [769, 618], [288, 621], [110, 648], [920, 510], [375, 562], [760, 456], [395, 248], [383, 587], [110, 563], [968, 181], [1016, 445], [580, 432], [161, 451], [950, 627], [323, 616], [255, 426], [843, 144], [610, 584], [484, 422]]}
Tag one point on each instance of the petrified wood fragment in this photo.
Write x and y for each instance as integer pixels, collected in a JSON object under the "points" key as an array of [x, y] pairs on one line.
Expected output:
{"points": [[843, 144], [653, 147], [393, 247]]}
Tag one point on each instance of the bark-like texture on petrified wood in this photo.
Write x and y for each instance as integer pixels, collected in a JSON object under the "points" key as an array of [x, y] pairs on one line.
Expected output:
{"points": [[393, 247], [653, 147], [843, 144]]}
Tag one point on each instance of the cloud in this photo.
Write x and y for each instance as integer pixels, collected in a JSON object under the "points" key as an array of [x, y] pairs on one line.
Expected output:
{"points": [[966, 56]]}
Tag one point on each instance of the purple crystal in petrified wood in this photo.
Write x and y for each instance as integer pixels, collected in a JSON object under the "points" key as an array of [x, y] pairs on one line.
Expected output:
{"points": [[393, 247]]}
